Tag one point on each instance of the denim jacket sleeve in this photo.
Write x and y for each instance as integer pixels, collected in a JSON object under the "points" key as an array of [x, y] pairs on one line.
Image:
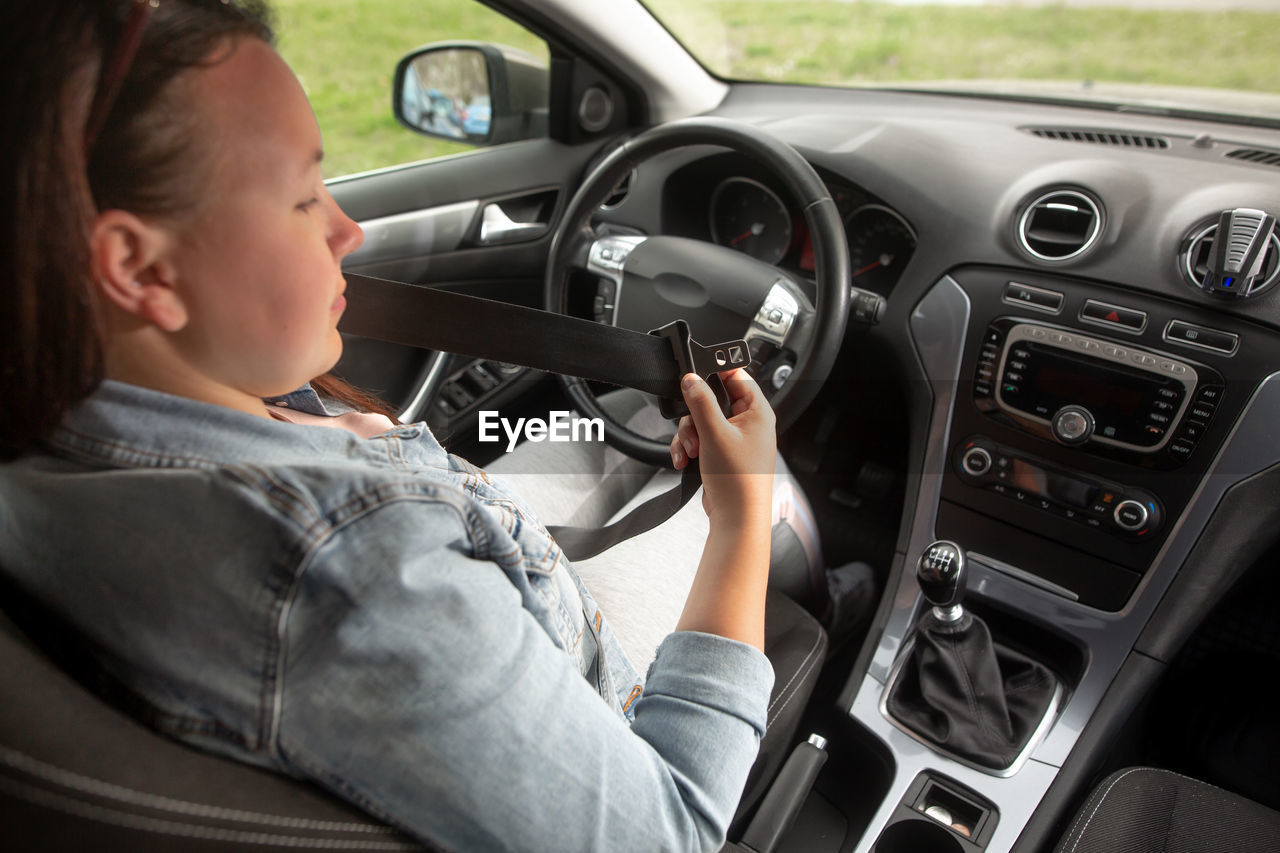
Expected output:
{"points": [[415, 684]]}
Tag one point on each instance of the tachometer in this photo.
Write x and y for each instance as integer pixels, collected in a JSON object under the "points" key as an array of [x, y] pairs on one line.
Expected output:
{"points": [[748, 216], [880, 244]]}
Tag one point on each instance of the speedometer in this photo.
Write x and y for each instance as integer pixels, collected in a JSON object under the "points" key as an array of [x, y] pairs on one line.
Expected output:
{"points": [[880, 244], [748, 216]]}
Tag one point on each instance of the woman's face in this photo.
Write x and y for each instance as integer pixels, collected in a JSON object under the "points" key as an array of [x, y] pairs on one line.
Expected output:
{"points": [[258, 266]]}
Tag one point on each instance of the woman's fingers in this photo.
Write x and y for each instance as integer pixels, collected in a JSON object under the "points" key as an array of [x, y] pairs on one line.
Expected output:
{"points": [[745, 393], [698, 396], [684, 444]]}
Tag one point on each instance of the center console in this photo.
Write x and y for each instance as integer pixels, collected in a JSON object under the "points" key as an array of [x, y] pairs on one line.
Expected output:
{"points": [[1078, 441]]}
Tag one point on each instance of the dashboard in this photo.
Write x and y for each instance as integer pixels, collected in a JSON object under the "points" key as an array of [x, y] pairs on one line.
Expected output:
{"points": [[1048, 384], [1077, 404]]}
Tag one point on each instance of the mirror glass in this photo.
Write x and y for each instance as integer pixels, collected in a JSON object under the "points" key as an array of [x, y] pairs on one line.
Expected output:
{"points": [[446, 93]]}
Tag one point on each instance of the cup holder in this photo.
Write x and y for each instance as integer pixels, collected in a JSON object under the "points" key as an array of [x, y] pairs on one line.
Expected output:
{"points": [[915, 835]]}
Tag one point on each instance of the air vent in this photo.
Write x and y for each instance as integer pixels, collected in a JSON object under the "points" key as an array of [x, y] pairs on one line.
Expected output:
{"points": [[1099, 137], [1261, 156], [1197, 251], [1060, 225], [619, 193]]}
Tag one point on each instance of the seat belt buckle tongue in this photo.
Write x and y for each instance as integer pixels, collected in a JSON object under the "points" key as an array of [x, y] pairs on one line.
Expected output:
{"points": [[706, 361]]}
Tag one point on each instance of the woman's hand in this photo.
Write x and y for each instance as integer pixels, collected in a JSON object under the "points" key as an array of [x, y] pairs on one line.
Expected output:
{"points": [[736, 454]]}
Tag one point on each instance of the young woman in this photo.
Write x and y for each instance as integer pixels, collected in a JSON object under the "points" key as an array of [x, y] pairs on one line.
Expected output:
{"points": [[334, 597]]}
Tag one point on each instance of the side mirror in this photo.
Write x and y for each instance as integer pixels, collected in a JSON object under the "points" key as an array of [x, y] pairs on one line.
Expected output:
{"points": [[484, 94]]}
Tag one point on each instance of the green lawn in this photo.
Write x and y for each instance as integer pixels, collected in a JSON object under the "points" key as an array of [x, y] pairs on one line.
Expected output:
{"points": [[813, 41], [345, 51]]}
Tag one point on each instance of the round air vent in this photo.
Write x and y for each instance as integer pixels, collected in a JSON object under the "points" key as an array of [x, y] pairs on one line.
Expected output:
{"points": [[1197, 250], [1059, 225]]}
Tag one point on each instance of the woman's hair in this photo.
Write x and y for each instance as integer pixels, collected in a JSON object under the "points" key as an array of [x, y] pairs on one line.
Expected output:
{"points": [[147, 158]]}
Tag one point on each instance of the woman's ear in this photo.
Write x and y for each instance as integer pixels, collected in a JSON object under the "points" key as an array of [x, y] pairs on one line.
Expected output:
{"points": [[129, 260]]}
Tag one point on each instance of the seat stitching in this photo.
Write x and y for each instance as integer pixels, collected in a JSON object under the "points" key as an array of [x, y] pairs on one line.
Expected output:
{"points": [[816, 642], [801, 670], [1098, 805], [109, 790], [165, 827]]}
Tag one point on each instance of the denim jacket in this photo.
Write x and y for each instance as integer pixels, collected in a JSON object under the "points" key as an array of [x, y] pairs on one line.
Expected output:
{"points": [[378, 616]]}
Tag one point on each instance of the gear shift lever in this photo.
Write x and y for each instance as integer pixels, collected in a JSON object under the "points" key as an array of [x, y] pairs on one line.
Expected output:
{"points": [[941, 574], [957, 688]]}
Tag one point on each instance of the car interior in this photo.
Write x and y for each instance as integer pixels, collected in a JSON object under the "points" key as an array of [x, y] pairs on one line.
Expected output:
{"points": [[1024, 354]]}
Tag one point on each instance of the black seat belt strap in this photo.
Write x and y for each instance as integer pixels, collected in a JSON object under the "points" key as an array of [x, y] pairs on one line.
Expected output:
{"points": [[437, 319], [432, 318], [579, 543]]}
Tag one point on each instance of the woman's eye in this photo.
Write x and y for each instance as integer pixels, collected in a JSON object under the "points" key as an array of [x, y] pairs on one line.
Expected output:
{"points": [[309, 203]]}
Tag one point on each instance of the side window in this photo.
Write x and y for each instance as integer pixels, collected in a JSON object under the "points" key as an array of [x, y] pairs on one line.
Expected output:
{"points": [[346, 53]]}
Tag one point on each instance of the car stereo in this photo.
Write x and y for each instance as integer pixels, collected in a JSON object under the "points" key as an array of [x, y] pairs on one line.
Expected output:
{"points": [[1083, 390]]}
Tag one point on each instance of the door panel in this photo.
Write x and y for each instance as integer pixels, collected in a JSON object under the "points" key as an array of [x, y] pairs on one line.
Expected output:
{"points": [[425, 225]]}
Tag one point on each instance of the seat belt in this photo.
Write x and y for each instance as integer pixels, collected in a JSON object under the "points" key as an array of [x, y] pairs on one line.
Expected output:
{"points": [[557, 343]]}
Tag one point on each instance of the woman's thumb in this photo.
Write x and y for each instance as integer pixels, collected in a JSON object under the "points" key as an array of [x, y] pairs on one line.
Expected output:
{"points": [[700, 399]]}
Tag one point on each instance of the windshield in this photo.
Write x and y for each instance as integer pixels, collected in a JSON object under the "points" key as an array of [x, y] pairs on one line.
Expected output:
{"points": [[1205, 56]]}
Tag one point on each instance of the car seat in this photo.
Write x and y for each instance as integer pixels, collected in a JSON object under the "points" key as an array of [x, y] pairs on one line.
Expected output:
{"points": [[76, 773], [1149, 810]]}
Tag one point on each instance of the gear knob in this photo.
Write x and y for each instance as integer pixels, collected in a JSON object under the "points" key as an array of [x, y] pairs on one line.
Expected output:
{"points": [[941, 574]]}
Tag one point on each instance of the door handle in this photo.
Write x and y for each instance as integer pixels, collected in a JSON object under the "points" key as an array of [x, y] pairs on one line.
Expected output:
{"points": [[496, 227]]}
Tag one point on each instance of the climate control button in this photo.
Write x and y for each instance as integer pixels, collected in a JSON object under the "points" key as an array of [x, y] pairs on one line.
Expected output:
{"points": [[976, 461], [1131, 515]]}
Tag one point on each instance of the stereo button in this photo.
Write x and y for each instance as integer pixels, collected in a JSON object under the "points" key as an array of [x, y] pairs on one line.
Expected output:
{"points": [[1181, 448], [1210, 394], [1201, 412], [1073, 425], [1191, 431]]}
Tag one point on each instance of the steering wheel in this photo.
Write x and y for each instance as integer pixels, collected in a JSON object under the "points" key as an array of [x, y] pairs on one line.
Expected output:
{"points": [[722, 293]]}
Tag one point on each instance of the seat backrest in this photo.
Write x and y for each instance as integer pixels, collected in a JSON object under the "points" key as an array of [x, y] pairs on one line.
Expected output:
{"points": [[77, 774]]}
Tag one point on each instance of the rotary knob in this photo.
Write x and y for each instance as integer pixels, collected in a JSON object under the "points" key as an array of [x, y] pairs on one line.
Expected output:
{"points": [[1072, 425], [1132, 516], [976, 461]]}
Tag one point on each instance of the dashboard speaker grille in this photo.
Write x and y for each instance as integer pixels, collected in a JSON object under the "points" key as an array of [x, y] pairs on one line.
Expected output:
{"points": [[1059, 225], [1100, 137]]}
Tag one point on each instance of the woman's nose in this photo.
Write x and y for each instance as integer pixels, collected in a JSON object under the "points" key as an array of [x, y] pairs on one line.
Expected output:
{"points": [[345, 235]]}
